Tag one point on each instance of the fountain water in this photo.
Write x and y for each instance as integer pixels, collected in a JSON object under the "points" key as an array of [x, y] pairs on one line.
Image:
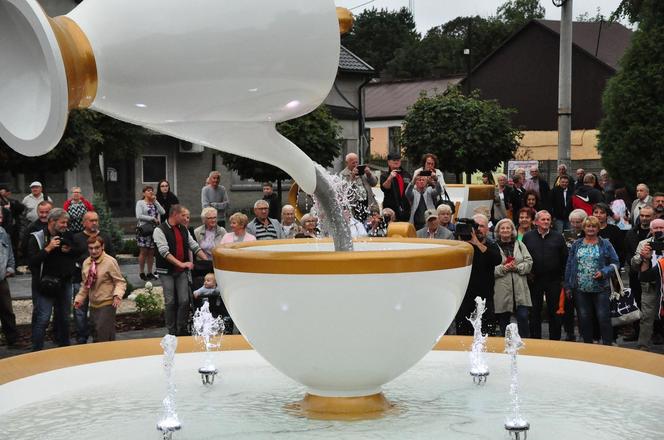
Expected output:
{"points": [[479, 369], [206, 327], [169, 421], [515, 424]]}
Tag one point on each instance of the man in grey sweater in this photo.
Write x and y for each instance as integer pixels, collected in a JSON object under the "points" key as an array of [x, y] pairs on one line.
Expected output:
{"points": [[214, 195]]}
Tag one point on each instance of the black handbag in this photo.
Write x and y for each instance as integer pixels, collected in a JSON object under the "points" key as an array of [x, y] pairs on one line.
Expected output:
{"points": [[445, 200], [50, 285], [145, 230]]}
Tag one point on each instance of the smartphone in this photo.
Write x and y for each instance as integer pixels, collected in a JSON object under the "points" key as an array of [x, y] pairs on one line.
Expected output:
{"points": [[360, 169], [509, 259]]}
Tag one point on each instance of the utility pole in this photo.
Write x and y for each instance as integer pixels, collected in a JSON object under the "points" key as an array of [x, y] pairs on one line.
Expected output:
{"points": [[565, 83]]}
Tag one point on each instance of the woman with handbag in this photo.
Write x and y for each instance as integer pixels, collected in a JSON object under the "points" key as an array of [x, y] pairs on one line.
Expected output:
{"points": [[148, 210], [587, 279], [511, 292]]}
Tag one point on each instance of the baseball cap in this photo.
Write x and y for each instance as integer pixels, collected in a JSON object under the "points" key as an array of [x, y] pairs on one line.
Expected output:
{"points": [[429, 214], [35, 183]]}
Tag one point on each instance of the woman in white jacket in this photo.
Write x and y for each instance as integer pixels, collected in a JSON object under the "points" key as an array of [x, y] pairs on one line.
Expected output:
{"points": [[511, 293]]}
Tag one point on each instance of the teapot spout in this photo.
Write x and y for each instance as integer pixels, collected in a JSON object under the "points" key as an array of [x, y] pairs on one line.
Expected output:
{"points": [[255, 140]]}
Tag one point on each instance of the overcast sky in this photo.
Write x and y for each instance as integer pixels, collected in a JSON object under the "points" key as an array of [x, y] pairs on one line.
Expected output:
{"points": [[430, 13]]}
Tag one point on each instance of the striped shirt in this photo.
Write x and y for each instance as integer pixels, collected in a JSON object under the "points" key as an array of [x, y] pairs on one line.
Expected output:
{"points": [[263, 232]]}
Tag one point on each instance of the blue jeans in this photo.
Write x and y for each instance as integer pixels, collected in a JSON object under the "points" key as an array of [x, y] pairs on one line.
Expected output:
{"points": [[81, 317], [586, 303], [176, 302], [521, 321], [43, 306]]}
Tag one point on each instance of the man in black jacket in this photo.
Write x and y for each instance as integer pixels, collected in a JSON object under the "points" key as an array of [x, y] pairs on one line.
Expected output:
{"points": [[549, 252], [51, 259], [173, 243], [393, 183], [486, 257], [561, 203]]}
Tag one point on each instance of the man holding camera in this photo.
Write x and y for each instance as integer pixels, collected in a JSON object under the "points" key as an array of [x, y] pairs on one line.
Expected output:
{"points": [[393, 183], [51, 261], [648, 260], [486, 257], [361, 180]]}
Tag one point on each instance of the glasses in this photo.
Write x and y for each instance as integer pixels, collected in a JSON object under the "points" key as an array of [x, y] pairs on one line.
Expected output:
{"points": [[262, 208], [210, 218]]}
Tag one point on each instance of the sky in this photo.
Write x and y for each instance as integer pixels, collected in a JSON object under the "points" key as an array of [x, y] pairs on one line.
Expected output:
{"points": [[430, 13]]}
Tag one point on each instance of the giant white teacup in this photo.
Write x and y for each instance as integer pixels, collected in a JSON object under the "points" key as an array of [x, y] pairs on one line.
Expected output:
{"points": [[343, 324]]}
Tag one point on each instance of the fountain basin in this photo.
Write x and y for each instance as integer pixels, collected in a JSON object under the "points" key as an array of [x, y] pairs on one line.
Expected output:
{"points": [[343, 323], [569, 390]]}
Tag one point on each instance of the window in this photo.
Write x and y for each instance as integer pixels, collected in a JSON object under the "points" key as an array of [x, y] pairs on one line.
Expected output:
{"points": [[394, 138], [154, 168]]}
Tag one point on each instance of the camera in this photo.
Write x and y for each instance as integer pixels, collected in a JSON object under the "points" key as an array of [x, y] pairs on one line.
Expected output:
{"points": [[657, 243], [360, 169], [464, 229], [425, 173]]}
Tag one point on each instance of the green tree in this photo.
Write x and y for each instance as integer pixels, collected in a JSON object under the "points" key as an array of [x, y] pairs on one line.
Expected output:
{"points": [[106, 222], [88, 133], [317, 134], [440, 52], [466, 133], [96, 134], [377, 34], [630, 139], [516, 13], [61, 158]]}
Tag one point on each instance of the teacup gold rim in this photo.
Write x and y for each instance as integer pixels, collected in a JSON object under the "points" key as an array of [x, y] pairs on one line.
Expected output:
{"points": [[449, 254]]}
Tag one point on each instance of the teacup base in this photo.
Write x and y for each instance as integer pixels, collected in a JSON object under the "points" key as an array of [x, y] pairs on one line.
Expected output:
{"points": [[316, 407]]}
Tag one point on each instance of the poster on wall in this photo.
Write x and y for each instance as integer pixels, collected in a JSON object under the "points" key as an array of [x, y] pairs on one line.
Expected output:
{"points": [[512, 166]]}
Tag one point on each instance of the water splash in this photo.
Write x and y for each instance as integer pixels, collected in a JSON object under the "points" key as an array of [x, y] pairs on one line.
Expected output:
{"points": [[331, 201], [515, 424], [169, 421], [206, 327], [479, 369]]}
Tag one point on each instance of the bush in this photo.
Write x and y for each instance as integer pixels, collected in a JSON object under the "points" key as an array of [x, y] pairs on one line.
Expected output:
{"points": [[130, 247], [106, 223], [147, 303]]}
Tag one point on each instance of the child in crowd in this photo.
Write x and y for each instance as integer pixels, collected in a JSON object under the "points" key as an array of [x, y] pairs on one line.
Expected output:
{"points": [[209, 288]]}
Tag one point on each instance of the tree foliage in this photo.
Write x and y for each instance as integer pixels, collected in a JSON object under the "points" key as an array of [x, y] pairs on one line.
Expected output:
{"points": [[88, 133], [96, 134], [466, 133], [440, 52], [630, 140], [317, 134], [377, 34], [106, 222], [516, 13]]}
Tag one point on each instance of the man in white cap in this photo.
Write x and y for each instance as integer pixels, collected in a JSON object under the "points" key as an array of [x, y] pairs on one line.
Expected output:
{"points": [[432, 229], [33, 199]]}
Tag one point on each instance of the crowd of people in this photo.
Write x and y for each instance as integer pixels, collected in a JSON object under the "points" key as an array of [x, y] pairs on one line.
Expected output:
{"points": [[540, 251]]}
